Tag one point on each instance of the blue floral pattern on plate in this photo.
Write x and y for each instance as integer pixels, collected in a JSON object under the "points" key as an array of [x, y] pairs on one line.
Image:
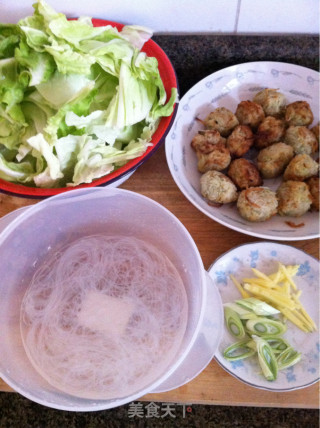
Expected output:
{"points": [[227, 88], [265, 257]]}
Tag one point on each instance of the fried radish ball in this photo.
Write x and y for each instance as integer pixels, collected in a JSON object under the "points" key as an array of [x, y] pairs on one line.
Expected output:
{"points": [[299, 114], [222, 120], [294, 198], [244, 174], [218, 159], [300, 168], [301, 139], [257, 204], [218, 188], [240, 140], [314, 187], [250, 113], [316, 130], [273, 160], [205, 141], [272, 102], [271, 130]]}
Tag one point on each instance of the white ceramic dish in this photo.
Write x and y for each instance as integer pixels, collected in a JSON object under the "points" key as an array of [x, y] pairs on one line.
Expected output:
{"points": [[264, 256], [226, 88]]}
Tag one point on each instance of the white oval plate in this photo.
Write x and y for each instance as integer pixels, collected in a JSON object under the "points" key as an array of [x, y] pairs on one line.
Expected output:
{"points": [[227, 88], [264, 256]]}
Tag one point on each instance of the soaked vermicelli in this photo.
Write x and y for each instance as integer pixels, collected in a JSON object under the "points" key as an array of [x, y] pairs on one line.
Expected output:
{"points": [[104, 316]]}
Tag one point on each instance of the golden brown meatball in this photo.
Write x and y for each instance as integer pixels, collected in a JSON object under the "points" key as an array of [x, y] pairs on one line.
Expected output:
{"points": [[272, 102], [218, 188], [244, 174], [257, 204], [299, 114], [205, 141], [294, 198], [222, 120], [300, 168], [314, 187], [301, 139], [218, 159], [316, 130], [273, 160], [250, 113], [240, 140], [270, 130]]}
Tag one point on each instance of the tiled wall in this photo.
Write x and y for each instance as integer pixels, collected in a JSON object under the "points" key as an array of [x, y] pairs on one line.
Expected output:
{"points": [[189, 16]]}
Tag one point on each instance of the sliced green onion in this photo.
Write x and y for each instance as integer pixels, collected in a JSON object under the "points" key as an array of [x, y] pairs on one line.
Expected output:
{"points": [[271, 317], [234, 323], [267, 359], [239, 351], [244, 314], [259, 330], [264, 326], [257, 306], [278, 344], [288, 358]]}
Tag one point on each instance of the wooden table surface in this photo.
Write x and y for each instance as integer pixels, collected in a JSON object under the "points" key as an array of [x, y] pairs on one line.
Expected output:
{"points": [[213, 385]]}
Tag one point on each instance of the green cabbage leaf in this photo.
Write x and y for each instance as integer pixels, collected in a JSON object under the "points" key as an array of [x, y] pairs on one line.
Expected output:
{"points": [[76, 101]]}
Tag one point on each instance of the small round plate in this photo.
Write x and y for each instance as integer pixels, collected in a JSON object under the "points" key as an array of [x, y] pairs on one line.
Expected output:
{"points": [[226, 88], [265, 257]]}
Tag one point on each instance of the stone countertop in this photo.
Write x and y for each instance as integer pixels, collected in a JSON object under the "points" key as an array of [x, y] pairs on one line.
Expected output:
{"points": [[196, 56]]}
